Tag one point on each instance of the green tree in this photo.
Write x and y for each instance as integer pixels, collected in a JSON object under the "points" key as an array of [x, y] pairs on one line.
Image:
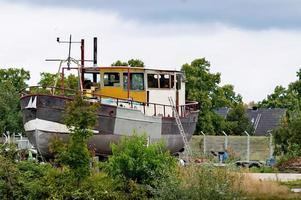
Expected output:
{"points": [[17, 77], [200, 84], [288, 136], [203, 86], [119, 63], [131, 63], [219, 123], [289, 98], [225, 96], [237, 122], [10, 111], [136, 63], [281, 98], [71, 82], [80, 118], [48, 80], [12, 81], [282, 136]]}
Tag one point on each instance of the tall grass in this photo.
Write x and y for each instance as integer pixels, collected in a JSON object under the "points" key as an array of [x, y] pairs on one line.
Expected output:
{"points": [[209, 182], [258, 189]]}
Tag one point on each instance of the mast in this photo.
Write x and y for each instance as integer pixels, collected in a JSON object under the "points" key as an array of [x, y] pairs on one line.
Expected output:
{"points": [[80, 63]]}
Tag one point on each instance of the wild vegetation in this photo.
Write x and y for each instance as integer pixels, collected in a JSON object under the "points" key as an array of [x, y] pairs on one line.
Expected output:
{"points": [[12, 81], [137, 170], [134, 171], [288, 135]]}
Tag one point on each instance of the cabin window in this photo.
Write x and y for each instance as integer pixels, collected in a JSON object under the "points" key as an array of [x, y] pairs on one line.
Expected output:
{"points": [[172, 81], [178, 85], [137, 81], [152, 80], [111, 79], [164, 81], [91, 79]]}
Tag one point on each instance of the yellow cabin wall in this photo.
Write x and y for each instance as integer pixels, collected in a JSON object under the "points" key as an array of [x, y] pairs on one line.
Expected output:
{"points": [[120, 92]]}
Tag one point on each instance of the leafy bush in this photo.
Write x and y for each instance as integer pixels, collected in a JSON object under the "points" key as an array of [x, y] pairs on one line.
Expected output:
{"points": [[139, 167], [10, 186], [32, 177], [63, 185]]}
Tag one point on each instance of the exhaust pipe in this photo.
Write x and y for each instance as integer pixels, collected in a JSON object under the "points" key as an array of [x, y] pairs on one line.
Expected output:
{"points": [[95, 52], [82, 56]]}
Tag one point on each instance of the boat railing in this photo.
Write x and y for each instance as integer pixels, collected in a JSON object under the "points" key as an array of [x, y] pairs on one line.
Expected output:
{"points": [[49, 90], [147, 108]]}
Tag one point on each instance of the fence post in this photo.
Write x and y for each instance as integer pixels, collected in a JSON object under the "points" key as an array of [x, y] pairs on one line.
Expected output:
{"points": [[8, 137], [204, 142], [271, 143], [226, 140], [248, 146]]}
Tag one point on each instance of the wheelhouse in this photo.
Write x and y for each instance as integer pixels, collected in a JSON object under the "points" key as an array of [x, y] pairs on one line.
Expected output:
{"points": [[145, 86]]}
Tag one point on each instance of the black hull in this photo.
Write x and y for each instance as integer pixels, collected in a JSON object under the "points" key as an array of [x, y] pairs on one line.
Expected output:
{"points": [[43, 120]]}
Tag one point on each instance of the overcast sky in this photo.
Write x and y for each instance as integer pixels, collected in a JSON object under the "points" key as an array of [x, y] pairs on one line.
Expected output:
{"points": [[254, 44]]}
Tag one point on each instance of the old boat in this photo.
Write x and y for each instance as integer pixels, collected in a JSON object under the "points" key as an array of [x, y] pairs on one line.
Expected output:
{"points": [[131, 99]]}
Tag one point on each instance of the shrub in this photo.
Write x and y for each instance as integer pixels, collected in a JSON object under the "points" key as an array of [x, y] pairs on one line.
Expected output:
{"points": [[32, 177], [10, 186], [140, 168]]}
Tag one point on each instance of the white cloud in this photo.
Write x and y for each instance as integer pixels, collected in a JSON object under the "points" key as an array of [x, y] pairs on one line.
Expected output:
{"points": [[253, 61]]}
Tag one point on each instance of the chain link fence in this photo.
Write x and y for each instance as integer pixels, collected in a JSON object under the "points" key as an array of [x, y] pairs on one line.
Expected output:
{"points": [[239, 147]]}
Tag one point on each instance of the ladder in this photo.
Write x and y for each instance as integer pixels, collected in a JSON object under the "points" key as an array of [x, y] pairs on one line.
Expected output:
{"points": [[187, 151]]}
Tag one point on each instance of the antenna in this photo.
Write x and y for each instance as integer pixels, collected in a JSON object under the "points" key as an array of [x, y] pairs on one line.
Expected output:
{"points": [[69, 52], [79, 63], [69, 58]]}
